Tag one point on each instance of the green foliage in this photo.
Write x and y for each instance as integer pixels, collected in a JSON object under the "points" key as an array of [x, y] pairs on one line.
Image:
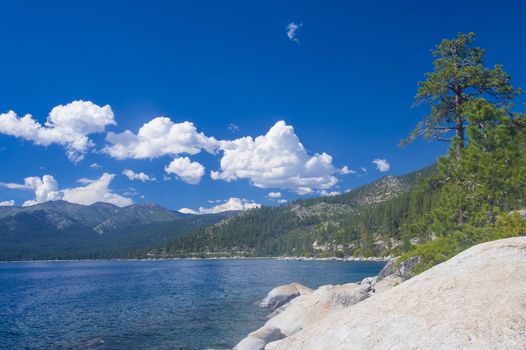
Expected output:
{"points": [[442, 248], [459, 78]]}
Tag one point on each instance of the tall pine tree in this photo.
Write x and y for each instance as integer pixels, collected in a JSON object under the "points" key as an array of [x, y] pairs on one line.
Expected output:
{"points": [[459, 77]]}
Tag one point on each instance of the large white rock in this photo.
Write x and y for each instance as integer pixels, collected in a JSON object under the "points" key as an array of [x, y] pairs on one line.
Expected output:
{"points": [[476, 300]]}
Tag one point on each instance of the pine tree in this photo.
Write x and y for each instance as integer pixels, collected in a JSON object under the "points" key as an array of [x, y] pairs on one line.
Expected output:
{"points": [[459, 78]]}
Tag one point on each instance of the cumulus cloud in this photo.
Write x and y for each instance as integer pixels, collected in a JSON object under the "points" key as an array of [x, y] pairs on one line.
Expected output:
{"points": [[292, 28], [232, 204], [67, 125], [9, 203], [186, 170], [159, 137], [96, 191], [46, 189], [274, 194], [132, 175], [345, 171], [276, 160], [94, 166], [382, 165]]}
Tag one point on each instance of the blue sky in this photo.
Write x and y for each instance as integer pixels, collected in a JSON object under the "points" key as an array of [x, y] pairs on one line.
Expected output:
{"points": [[343, 87]]}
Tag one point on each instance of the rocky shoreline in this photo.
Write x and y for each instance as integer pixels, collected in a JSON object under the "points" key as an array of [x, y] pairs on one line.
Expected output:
{"points": [[453, 305], [350, 258]]}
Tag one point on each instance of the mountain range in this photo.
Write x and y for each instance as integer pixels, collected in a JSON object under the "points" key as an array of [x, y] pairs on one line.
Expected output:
{"points": [[63, 230], [329, 225]]}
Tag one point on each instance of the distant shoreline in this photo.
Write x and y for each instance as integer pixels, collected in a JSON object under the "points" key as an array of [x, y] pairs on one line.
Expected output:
{"points": [[283, 258]]}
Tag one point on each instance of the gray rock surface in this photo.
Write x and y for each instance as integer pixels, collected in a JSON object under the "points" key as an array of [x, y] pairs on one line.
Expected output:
{"points": [[402, 269], [459, 304], [304, 310]]}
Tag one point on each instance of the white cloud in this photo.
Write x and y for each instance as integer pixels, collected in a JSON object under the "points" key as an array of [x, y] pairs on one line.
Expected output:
{"points": [[13, 186], [363, 169], [94, 166], [96, 191], [66, 125], [325, 193], [276, 160], [46, 189], [292, 28], [85, 181], [381, 164], [345, 171], [159, 137], [132, 175], [231, 204], [274, 194], [9, 203], [186, 170], [233, 128]]}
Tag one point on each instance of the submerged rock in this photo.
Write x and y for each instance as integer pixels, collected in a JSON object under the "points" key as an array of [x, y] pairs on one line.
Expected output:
{"points": [[454, 305]]}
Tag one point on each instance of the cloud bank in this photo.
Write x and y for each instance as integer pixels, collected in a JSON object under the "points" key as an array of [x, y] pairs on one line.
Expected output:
{"points": [[276, 160]]}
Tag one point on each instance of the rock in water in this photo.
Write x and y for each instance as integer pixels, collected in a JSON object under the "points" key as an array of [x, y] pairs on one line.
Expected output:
{"points": [[258, 339], [459, 304], [283, 294], [304, 310]]}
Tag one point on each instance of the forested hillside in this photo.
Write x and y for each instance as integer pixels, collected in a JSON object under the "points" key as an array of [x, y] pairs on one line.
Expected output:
{"points": [[364, 221]]}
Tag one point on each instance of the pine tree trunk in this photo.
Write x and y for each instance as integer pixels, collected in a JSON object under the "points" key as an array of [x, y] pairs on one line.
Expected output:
{"points": [[459, 127]]}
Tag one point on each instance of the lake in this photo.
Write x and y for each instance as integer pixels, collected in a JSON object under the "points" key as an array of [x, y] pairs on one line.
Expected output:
{"points": [[168, 304]]}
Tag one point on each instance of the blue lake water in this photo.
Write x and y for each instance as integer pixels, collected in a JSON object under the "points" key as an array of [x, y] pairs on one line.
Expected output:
{"points": [[171, 304]]}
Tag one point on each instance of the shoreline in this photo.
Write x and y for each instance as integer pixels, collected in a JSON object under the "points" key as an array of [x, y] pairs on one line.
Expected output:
{"points": [[282, 258]]}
